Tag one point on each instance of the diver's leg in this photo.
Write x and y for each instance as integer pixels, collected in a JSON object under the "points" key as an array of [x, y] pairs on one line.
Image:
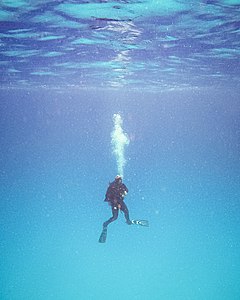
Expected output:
{"points": [[114, 216], [126, 213]]}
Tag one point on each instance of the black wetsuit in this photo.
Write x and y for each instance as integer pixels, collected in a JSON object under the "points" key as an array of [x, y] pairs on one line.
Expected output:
{"points": [[114, 196]]}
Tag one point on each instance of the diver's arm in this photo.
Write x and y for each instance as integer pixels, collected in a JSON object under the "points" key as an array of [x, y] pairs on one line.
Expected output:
{"points": [[108, 193], [125, 189]]}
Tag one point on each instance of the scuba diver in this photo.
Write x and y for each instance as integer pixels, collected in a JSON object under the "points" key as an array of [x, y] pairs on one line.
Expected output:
{"points": [[115, 194]]}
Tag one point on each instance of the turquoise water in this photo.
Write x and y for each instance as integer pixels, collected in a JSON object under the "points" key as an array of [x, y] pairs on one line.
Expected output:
{"points": [[183, 176], [171, 70]]}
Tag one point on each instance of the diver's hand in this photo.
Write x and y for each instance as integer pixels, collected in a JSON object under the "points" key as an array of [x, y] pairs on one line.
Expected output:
{"points": [[123, 195]]}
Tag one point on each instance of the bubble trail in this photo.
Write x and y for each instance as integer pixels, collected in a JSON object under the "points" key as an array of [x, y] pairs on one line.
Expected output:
{"points": [[119, 141]]}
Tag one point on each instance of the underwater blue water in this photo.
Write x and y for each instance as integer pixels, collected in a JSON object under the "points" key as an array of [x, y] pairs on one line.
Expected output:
{"points": [[171, 69], [182, 173]]}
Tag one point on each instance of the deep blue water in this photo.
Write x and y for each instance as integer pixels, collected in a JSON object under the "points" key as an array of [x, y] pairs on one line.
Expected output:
{"points": [[182, 173], [171, 70]]}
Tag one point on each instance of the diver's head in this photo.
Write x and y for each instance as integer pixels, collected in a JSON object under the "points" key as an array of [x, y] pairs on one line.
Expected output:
{"points": [[118, 179]]}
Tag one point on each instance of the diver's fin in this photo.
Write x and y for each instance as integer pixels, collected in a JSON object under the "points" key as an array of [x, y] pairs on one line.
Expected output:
{"points": [[140, 222], [103, 235]]}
